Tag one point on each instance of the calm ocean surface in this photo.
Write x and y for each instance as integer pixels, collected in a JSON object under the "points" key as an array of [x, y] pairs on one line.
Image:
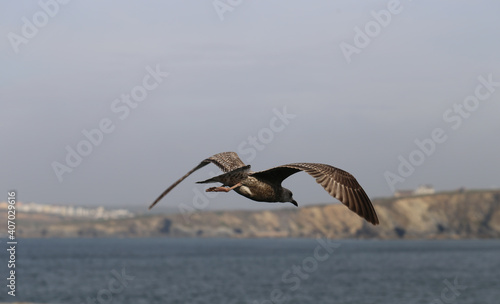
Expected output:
{"points": [[267, 271]]}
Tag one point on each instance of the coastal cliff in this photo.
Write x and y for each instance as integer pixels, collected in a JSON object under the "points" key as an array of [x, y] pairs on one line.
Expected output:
{"points": [[467, 214]]}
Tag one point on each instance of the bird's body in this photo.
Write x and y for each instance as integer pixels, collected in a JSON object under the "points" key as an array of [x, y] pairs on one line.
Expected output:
{"points": [[265, 186], [258, 190]]}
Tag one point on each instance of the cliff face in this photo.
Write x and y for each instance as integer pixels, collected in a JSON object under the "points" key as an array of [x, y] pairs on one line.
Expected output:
{"points": [[471, 214]]}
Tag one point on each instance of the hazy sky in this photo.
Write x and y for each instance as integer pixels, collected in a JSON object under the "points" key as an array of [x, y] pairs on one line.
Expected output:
{"points": [[397, 93]]}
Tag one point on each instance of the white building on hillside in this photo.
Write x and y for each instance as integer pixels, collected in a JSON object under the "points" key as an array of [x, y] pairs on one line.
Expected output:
{"points": [[424, 189], [421, 190]]}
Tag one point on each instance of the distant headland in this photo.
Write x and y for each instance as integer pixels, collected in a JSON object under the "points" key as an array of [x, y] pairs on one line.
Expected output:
{"points": [[445, 215]]}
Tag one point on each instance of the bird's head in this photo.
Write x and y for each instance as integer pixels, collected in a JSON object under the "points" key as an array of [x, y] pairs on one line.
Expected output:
{"points": [[287, 196]]}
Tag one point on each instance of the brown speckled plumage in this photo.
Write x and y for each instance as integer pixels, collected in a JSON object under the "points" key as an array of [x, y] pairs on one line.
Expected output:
{"points": [[266, 186]]}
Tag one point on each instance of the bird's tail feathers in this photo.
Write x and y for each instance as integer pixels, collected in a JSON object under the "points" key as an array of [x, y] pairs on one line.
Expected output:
{"points": [[210, 180], [223, 178]]}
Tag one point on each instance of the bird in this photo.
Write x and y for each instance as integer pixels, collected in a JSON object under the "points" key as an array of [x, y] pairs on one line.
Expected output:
{"points": [[265, 186]]}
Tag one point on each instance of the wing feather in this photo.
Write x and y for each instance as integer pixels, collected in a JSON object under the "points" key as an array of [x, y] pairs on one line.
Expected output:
{"points": [[338, 183], [360, 206], [351, 199], [226, 161], [339, 191]]}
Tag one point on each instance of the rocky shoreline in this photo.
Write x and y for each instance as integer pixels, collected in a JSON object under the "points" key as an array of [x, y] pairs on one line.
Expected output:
{"points": [[450, 215]]}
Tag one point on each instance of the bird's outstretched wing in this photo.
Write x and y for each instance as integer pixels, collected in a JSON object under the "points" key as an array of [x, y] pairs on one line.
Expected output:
{"points": [[226, 161], [338, 183]]}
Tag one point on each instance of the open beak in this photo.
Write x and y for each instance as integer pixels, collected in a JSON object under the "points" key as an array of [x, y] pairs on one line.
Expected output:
{"points": [[295, 203]]}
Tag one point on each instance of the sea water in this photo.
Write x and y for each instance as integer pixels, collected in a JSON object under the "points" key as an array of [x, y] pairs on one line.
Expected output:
{"points": [[166, 270]]}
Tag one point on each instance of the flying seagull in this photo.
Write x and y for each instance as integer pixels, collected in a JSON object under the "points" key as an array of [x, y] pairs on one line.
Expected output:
{"points": [[265, 186]]}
